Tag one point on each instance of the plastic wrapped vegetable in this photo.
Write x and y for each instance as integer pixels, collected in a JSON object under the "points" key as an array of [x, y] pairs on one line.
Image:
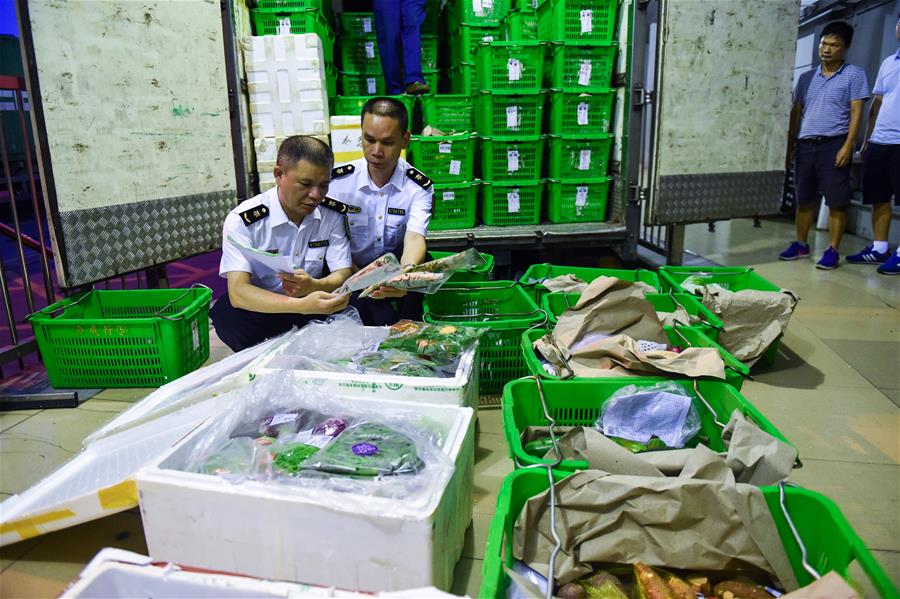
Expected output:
{"points": [[431, 276], [402, 363], [375, 273], [444, 342], [649, 584], [664, 411], [368, 449]]}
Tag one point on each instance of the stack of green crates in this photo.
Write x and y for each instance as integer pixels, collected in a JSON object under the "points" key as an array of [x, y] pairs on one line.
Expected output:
{"points": [[360, 59], [449, 161], [278, 17]]}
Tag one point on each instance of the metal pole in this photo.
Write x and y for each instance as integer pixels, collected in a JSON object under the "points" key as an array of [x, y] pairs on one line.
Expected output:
{"points": [[26, 279], [7, 304], [675, 244]]}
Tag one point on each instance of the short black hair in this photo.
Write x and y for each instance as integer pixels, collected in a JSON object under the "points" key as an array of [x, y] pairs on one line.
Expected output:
{"points": [[304, 147], [391, 107], [842, 29]]}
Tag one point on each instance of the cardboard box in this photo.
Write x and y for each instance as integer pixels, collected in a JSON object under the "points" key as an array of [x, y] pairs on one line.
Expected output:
{"points": [[346, 139]]}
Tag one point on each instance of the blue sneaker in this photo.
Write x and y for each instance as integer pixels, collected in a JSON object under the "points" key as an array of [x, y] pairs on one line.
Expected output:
{"points": [[892, 266], [867, 255], [795, 250], [830, 259]]}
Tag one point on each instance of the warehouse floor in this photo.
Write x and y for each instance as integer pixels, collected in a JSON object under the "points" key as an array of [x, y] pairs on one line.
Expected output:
{"points": [[835, 392]]}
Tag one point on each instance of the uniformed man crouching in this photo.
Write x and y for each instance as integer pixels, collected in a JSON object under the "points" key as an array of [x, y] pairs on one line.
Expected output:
{"points": [[289, 220], [388, 207]]}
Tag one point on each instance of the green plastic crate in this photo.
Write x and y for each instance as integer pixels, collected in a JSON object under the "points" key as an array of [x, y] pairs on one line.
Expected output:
{"points": [[830, 541], [430, 52], [735, 371], [477, 12], [454, 206], [579, 158], [485, 272], [509, 115], [360, 55], [554, 304], [444, 158], [511, 204], [507, 161], [432, 77], [295, 5], [520, 25], [581, 114], [331, 81], [449, 112], [310, 20], [362, 84], [581, 67], [533, 277], [578, 402], [129, 338], [510, 66], [358, 24], [431, 25], [466, 39], [502, 308], [463, 79], [353, 105], [568, 21], [577, 201]]}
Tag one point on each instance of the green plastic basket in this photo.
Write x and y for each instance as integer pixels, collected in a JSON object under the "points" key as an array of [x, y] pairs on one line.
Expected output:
{"points": [[463, 79], [444, 158], [502, 308], [507, 161], [533, 277], [577, 20], [735, 371], [353, 105], [431, 25], [511, 204], [578, 402], [430, 52], [362, 84], [360, 55], [331, 80], [830, 542], [432, 77], [520, 25], [358, 24], [449, 112], [579, 158], [485, 272], [581, 67], [454, 206], [581, 114], [510, 66], [466, 39], [577, 201], [478, 12], [709, 324], [509, 115], [130, 338], [310, 20]]}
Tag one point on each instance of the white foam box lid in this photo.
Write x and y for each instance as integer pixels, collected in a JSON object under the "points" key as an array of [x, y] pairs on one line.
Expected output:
{"points": [[317, 537], [286, 85]]}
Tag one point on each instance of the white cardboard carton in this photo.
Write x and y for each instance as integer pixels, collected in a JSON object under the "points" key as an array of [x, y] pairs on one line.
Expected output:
{"points": [[318, 537]]}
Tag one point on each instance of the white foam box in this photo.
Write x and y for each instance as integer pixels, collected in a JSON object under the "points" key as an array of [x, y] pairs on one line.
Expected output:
{"points": [[346, 139], [319, 537], [266, 149], [286, 85]]}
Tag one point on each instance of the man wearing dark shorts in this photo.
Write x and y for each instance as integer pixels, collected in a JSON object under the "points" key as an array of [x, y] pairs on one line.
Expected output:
{"points": [[828, 106], [881, 158]]}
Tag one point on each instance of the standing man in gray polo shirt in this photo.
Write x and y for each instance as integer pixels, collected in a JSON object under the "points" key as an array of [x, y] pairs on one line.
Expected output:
{"points": [[828, 108]]}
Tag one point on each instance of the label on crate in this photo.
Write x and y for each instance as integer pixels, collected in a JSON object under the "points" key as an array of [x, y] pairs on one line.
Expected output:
{"points": [[514, 69], [581, 195], [487, 4], [370, 85], [455, 167], [284, 26], [488, 38], [582, 113], [512, 201], [195, 335], [512, 117], [584, 160], [584, 73], [478, 8], [587, 21], [367, 24], [445, 147], [370, 49], [448, 195], [512, 161]]}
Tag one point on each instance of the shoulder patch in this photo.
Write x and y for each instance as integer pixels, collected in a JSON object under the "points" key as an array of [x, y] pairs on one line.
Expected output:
{"points": [[418, 177], [341, 207], [342, 171], [254, 214]]}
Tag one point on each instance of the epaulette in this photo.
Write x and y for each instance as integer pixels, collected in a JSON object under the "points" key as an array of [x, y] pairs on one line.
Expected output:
{"points": [[342, 171], [254, 214], [419, 177], [341, 207]]}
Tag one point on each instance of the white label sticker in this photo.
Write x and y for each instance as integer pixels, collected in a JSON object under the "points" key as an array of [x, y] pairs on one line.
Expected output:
{"points": [[195, 335], [512, 201], [488, 38], [370, 85], [584, 73], [587, 21], [448, 195], [282, 418], [514, 69], [583, 114], [284, 26], [487, 4], [445, 147], [581, 195], [367, 24], [512, 117], [584, 160], [370, 49], [455, 166], [477, 8], [512, 161], [534, 3]]}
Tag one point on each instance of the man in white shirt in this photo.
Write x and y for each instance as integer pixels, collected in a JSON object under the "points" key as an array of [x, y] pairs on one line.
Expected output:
{"points": [[388, 207], [295, 220]]}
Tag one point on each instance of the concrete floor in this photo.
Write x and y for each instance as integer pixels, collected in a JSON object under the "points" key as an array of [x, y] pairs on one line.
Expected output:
{"points": [[835, 392]]}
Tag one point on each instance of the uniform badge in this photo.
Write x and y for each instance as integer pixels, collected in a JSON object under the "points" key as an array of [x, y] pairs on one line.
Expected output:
{"points": [[418, 178], [342, 171], [254, 214], [397, 211], [322, 243]]}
